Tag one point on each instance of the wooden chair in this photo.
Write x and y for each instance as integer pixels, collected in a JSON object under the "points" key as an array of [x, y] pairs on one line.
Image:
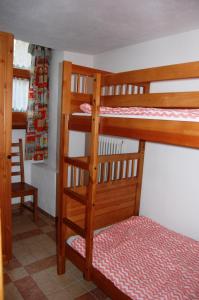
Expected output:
{"points": [[22, 189]]}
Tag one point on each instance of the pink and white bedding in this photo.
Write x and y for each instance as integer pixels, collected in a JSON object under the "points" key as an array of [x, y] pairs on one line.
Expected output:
{"points": [[146, 261], [146, 113]]}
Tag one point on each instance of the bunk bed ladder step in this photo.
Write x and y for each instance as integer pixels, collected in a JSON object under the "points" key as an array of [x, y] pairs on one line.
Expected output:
{"points": [[80, 198], [77, 162], [76, 228]]}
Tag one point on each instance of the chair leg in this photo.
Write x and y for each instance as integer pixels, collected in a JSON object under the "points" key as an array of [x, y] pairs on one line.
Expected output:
{"points": [[22, 204], [35, 205]]}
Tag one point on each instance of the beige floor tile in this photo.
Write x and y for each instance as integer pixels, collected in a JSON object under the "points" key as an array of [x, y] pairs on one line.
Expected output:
{"points": [[60, 295], [42, 242], [49, 282], [88, 285], [47, 219], [17, 273], [12, 293], [24, 256], [77, 273], [23, 227], [47, 228], [76, 289], [23, 224], [69, 265], [32, 249]]}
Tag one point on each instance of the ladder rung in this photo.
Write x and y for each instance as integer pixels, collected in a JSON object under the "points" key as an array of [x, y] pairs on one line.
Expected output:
{"points": [[15, 154], [77, 162], [76, 228], [15, 144], [15, 163], [75, 196], [16, 173]]}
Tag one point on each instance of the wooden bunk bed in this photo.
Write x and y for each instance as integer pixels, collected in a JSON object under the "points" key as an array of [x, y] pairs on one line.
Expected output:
{"points": [[86, 202]]}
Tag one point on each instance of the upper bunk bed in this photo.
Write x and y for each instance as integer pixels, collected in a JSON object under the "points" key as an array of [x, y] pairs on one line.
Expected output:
{"points": [[132, 89]]}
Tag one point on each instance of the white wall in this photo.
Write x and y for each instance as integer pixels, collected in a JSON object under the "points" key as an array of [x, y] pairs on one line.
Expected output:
{"points": [[164, 51], [79, 58], [170, 183]]}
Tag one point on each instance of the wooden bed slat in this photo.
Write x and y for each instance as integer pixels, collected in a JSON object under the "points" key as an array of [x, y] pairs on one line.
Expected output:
{"points": [[75, 196], [77, 162], [14, 164], [18, 173], [171, 72], [104, 158], [82, 70], [161, 131], [81, 97], [15, 145], [73, 226], [15, 154]]}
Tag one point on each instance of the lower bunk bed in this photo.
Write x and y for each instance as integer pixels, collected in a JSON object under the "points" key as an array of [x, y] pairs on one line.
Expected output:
{"points": [[140, 259]]}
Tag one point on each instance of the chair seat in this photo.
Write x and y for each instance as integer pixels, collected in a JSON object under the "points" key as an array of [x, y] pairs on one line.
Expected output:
{"points": [[22, 189]]}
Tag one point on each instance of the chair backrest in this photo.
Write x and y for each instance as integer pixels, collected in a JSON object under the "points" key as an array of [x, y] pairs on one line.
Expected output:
{"points": [[17, 160]]}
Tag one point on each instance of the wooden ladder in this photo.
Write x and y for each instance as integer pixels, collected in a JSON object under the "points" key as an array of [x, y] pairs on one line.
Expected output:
{"points": [[89, 199]]}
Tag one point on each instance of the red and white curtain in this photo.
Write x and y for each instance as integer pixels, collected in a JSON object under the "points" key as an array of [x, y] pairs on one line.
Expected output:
{"points": [[37, 112]]}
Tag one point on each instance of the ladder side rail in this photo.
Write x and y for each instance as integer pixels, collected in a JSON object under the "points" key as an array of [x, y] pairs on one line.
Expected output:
{"points": [[140, 165], [93, 167], [63, 167]]}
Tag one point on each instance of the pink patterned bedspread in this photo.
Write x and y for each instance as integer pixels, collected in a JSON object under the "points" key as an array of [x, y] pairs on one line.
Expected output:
{"points": [[146, 261], [143, 112]]}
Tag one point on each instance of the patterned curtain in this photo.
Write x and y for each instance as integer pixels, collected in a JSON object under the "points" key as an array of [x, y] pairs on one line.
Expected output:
{"points": [[37, 112]]}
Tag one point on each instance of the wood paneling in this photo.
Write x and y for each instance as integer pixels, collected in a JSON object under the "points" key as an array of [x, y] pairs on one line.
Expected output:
{"points": [[108, 209], [6, 71]]}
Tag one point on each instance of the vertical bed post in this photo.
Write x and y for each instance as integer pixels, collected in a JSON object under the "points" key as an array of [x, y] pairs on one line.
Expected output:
{"points": [[63, 172], [140, 165], [93, 166], [139, 176]]}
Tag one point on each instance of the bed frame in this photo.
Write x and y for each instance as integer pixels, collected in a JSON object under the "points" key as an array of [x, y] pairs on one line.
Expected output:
{"points": [[86, 184]]}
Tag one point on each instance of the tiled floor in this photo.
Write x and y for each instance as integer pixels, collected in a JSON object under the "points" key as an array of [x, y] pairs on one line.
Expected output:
{"points": [[32, 272]]}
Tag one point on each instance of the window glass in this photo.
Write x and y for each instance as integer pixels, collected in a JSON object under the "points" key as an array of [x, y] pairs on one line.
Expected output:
{"points": [[22, 60], [20, 94]]}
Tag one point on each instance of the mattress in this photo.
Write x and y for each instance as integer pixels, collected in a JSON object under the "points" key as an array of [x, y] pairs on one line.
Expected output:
{"points": [[145, 260], [190, 115]]}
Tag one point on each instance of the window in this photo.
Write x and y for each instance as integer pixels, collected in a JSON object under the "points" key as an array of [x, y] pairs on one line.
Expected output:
{"points": [[22, 64], [20, 94], [22, 59]]}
